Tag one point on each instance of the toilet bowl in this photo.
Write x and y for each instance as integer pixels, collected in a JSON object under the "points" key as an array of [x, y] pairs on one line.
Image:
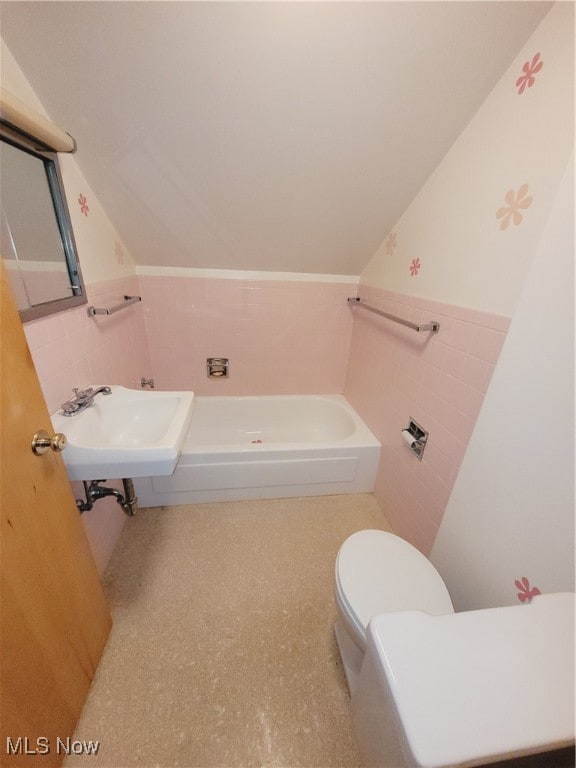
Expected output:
{"points": [[378, 572]]}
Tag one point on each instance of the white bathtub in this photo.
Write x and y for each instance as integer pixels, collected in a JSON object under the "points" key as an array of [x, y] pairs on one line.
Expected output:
{"points": [[268, 447]]}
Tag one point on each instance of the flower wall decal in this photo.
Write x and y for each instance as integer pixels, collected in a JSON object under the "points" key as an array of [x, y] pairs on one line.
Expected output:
{"points": [[511, 212], [391, 241], [529, 69], [83, 204], [525, 592], [415, 267]]}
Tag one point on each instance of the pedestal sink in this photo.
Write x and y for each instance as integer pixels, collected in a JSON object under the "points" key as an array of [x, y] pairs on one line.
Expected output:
{"points": [[129, 433]]}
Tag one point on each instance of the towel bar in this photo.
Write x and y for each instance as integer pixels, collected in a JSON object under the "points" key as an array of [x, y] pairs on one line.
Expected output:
{"points": [[128, 300], [433, 326]]}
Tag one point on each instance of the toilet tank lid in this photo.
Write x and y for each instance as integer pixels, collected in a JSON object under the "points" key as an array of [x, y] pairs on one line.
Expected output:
{"points": [[476, 686]]}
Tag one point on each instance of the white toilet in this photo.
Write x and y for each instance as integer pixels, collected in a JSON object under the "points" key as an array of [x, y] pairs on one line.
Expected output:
{"points": [[472, 688], [378, 572], [432, 688]]}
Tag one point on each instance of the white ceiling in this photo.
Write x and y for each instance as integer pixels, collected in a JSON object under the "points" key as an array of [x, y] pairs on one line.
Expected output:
{"points": [[282, 136]]}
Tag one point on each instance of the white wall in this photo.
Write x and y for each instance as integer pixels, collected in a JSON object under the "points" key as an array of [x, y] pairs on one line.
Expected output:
{"points": [[515, 138], [511, 513], [467, 263]]}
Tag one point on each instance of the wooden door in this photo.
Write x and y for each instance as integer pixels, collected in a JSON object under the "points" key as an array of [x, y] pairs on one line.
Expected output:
{"points": [[53, 617]]}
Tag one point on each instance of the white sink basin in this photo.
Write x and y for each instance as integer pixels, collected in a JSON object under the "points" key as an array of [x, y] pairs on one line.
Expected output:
{"points": [[129, 433]]}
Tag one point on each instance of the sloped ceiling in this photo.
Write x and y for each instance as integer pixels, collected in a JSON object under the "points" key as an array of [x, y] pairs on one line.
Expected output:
{"points": [[262, 135]]}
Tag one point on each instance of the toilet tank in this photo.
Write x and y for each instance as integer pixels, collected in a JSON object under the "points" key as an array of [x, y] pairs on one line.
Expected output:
{"points": [[469, 688]]}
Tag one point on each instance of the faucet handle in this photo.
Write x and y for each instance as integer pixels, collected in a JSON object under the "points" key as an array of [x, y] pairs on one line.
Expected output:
{"points": [[69, 408], [79, 393]]}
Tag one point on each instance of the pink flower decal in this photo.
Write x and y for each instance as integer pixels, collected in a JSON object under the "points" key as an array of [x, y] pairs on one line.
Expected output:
{"points": [[415, 267], [526, 593], [391, 243], [83, 204], [529, 69], [511, 212]]}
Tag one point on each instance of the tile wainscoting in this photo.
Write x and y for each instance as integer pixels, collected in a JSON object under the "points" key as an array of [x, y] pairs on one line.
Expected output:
{"points": [[71, 349], [281, 336], [395, 373]]}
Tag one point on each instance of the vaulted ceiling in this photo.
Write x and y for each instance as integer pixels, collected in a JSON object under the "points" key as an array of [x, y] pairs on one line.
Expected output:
{"points": [[262, 135]]}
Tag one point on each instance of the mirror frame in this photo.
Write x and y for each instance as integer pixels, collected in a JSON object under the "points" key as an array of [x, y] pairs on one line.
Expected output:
{"points": [[50, 160]]}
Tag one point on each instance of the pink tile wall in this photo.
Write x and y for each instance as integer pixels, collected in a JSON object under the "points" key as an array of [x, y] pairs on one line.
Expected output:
{"points": [[103, 524], [69, 350], [440, 380], [280, 336]]}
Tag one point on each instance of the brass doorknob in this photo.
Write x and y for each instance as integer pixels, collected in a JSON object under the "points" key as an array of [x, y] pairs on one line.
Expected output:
{"points": [[42, 442]]}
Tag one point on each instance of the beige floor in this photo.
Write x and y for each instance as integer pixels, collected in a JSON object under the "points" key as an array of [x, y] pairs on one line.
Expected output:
{"points": [[222, 651]]}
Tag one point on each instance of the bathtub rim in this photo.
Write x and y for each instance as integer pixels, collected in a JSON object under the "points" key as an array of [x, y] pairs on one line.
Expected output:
{"points": [[362, 436]]}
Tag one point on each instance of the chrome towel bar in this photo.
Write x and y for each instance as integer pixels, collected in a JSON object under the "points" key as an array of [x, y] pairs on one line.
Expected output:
{"points": [[433, 326], [128, 300]]}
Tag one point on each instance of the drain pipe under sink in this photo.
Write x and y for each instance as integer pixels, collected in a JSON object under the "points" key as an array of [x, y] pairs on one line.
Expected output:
{"points": [[95, 491]]}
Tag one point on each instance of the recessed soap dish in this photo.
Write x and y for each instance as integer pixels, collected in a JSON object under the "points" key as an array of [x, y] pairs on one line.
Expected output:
{"points": [[217, 367]]}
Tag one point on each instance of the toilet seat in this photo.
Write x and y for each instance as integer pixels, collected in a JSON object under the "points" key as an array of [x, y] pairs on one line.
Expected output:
{"points": [[378, 572]]}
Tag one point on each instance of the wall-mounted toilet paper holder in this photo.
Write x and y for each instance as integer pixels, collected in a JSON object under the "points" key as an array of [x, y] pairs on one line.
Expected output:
{"points": [[415, 438]]}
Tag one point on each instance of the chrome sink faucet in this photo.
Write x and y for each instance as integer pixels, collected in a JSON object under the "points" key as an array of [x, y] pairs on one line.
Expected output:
{"points": [[82, 399]]}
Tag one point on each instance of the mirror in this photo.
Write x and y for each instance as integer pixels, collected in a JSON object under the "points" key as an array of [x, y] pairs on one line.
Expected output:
{"points": [[36, 238]]}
